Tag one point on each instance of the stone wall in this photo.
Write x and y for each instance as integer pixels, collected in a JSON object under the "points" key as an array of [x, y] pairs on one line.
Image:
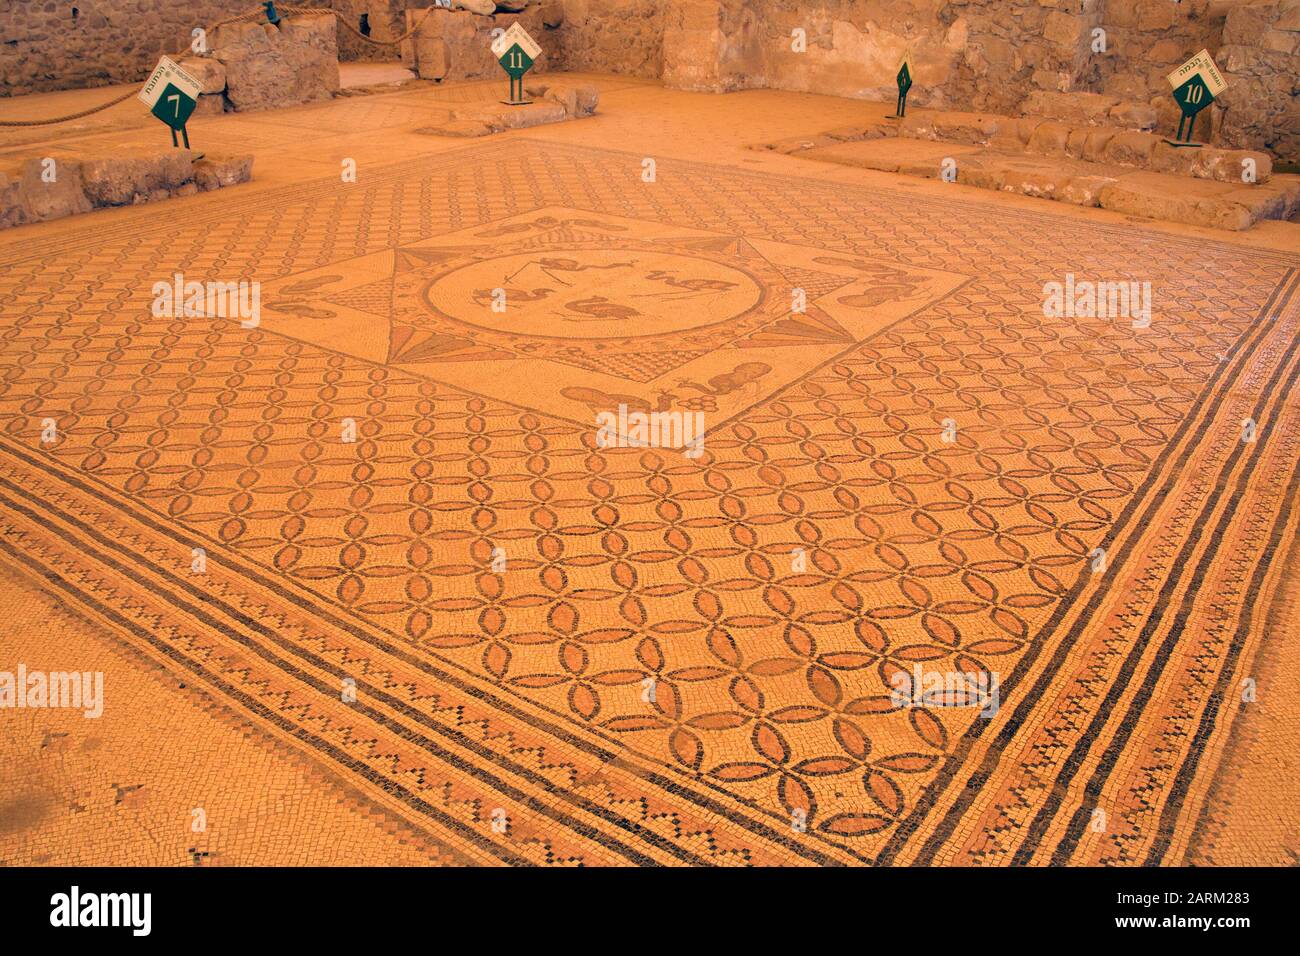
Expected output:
{"points": [[1260, 57], [457, 44], [265, 65], [1018, 46], [991, 55], [998, 55], [46, 45], [713, 46], [386, 20], [978, 54], [68, 45], [853, 48], [607, 36], [1147, 39]]}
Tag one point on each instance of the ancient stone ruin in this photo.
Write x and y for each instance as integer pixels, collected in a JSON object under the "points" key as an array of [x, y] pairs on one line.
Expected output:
{"points": [[1010, 57]]}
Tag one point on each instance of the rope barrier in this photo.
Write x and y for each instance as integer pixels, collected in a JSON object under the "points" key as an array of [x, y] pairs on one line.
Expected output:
{"points": [[357, 33], [251, 15]]}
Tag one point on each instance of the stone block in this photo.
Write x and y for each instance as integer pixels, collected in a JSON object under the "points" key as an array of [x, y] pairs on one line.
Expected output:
{"points": [[1129, 148], [1094, 147], [966, 128], [209, 71], [457, 128], [852, 134], [1026, 127], [110, 178], [553, 14], [1172, 159], [1065, 29], [498, 116], [1154, 15], [1229, 165], [432, 58], [1092, 108], [917, 125], [52, 200], [1286, 187], [1129, 115], [116, 180], [214, 172], [272, 66], [12, 212], [1153, 196], [1043, 180], [1050, 139], [1077, 141], [1085, 190], [983, 172], [213, 104]]}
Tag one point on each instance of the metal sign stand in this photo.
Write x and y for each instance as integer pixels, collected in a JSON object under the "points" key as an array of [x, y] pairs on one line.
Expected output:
{"points": [[516, 91], [1195, 84], [516, 51], [1192, 97], [904, 79], [172, 95]]}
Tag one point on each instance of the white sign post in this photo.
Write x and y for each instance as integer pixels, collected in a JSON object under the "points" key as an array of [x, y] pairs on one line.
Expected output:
{"points": [[1195, 84], [1202, 65], [516, 51], [171, 95]]}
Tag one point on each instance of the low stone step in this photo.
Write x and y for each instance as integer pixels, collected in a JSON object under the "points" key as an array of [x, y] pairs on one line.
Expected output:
{"points": [[1161, 196], [1200, 203], [555, 103], [1031, 134], [75, 181], [1090, 109]]}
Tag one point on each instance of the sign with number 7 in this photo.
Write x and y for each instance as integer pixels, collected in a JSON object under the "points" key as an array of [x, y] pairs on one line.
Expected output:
{"points": [[171, 95]]}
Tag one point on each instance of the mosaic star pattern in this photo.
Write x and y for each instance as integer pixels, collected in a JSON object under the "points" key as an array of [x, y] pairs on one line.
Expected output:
{"points": [[682, 660]]}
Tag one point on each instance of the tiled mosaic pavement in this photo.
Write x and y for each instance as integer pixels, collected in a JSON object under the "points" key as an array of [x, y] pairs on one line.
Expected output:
{"points": [[564, 653]]}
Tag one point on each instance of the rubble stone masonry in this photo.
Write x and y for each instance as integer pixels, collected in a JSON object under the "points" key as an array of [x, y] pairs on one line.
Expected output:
{"points": [[991, 55]]}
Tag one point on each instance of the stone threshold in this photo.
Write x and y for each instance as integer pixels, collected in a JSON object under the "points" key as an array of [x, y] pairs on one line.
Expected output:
{"points": [[1149, 195], [38, 189], [1043, 137], [553, 103]]}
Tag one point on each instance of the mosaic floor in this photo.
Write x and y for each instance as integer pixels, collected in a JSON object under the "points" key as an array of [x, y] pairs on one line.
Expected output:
{"points": [[431, 598]]}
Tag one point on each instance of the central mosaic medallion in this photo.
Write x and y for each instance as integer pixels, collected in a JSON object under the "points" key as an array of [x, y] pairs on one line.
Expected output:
{"points": [[571, 312], [567, 293]]}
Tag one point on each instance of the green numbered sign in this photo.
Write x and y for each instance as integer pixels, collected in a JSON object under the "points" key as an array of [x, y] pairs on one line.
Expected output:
{"points": [[1193, 96], [1195, 84], [171, 95], [904, 79], [516, 62], [174, 107], [516, 51]]}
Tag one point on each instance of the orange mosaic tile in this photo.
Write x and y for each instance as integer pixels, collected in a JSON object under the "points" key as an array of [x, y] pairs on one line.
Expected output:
{"points": [[941, 579]]}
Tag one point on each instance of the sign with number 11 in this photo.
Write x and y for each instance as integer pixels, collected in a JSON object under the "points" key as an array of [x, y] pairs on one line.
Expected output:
{"points": [[516, 51]]}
